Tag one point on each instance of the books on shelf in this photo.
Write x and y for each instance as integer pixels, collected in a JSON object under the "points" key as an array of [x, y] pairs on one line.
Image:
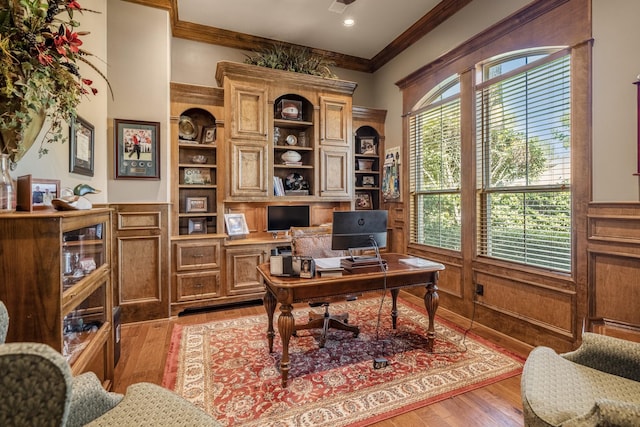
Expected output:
{"points": [[278, 187]]}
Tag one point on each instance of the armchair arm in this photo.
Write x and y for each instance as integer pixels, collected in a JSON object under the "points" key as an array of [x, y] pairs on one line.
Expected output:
{"points": [[608, 412], [35, 385], [89, 400], [4, 322], [608, 354]]}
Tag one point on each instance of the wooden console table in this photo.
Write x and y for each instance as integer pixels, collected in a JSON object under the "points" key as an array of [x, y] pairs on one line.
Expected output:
{"points": [[289, 290]]}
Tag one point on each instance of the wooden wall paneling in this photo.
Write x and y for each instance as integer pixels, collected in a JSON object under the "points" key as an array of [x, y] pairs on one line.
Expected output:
{"points": [[615, 286], [399, 228], [254, 214], [614, 269], [550, 308], [321, 214], [141, 261]]}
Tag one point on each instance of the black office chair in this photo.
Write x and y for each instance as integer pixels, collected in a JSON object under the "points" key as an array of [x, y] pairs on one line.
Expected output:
{"points": [[316, 242]]}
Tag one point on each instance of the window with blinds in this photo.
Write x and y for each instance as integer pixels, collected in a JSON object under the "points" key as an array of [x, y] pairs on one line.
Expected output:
{"points": [[524, 159], [435, 168]]}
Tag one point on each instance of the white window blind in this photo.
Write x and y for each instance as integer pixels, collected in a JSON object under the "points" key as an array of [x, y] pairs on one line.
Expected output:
{"points": [[435, 171], [524, 162]]}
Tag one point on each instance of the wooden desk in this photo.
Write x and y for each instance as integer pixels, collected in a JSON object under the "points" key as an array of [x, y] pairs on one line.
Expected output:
{"points": [[288, 290]]}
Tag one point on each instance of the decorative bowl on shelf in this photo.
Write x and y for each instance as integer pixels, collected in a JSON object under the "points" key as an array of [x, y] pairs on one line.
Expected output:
{"points": [[199, 159], [291, 156]]}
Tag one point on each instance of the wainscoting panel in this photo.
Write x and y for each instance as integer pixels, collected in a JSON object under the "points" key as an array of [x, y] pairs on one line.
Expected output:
{"points": [[141, 260], [547, 307], [614, 269]]}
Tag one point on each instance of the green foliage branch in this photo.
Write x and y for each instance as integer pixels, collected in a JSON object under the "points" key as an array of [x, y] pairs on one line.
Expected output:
{"points": [[298, 59]]}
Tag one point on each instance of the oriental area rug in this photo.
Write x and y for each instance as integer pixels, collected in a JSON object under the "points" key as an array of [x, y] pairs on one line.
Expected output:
{"points": [[224, 367]]}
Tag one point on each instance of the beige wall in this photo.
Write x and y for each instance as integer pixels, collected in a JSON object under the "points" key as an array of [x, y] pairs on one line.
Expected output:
{"points": [[195, 63], [616, 65], [93, 109], [139, 70]]}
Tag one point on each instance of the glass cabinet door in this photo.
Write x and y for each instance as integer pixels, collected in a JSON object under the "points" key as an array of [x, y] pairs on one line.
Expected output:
{"points": [[83, 250]]}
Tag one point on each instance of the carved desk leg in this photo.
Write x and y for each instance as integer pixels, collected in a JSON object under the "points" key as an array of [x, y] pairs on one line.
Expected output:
{"points": [[394, 307], [270, 307], [431, 299], [285, 327]]}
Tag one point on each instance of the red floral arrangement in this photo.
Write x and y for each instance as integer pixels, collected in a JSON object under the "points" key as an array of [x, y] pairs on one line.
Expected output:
{"points": [[40, 50]]}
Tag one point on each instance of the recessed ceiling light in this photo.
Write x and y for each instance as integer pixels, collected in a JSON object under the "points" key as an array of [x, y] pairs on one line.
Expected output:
{"points": [[348, 22]]}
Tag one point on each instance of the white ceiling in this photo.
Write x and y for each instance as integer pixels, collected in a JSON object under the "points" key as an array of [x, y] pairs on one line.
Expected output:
{"points": [[310, 23]]}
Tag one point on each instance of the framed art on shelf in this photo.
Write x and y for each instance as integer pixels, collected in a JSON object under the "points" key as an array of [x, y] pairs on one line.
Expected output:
{"points": [[209, 134], [197, 226], [368, 146], [196, 204], [363, 201], [236, 225], [81, 146], [35, 193], [368, 181], [197, 176], [137, 149]]}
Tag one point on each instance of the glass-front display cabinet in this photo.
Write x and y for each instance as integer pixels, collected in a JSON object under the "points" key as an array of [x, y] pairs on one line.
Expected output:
{"points": [[58, 284]]}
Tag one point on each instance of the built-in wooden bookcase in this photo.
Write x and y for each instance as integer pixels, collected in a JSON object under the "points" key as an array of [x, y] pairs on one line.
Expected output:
{"points": [[293, 146], [369, 156], [197, 135], [266, 107]]}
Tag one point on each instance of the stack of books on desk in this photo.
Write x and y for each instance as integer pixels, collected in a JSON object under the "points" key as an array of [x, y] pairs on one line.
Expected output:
{"points": [[363, 264], [329, 272]]}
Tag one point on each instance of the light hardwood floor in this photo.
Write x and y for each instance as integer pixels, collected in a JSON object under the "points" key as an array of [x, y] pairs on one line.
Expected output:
{"points": [[144, 348]]}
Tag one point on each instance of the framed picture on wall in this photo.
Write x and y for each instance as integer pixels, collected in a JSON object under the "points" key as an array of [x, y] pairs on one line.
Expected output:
{"points": [[137, 149], [81, 143]]}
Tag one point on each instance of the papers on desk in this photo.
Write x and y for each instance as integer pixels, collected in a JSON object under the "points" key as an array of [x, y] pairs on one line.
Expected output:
{"points": [[328, 267], [328, 263], [420, 262]]}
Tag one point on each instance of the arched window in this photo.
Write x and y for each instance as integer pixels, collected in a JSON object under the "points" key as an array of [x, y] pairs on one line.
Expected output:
{"points": [[523, 104], [434, 144]]}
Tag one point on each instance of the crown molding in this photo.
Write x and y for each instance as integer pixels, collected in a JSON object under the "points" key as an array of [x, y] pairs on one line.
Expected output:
{"points": [[205, 34]]}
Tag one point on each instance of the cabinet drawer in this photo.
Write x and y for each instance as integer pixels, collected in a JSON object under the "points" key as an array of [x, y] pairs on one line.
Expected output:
{"points": [[198, 255], [194, 286]]}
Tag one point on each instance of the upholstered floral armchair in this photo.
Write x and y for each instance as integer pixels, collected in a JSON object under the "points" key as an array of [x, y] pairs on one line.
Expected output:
{"points": [[38, 389], [596, 385]]}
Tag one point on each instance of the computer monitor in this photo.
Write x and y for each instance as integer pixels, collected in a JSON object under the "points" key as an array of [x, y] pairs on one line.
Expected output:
{"points": [[282, 218], [362, 229]]}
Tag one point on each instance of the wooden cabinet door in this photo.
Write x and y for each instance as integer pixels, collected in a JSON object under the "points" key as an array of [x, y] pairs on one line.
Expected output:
{"points": [[242, 273], [335, 121], [249, 169], [335, 172], [248, 111], [141, 261]]}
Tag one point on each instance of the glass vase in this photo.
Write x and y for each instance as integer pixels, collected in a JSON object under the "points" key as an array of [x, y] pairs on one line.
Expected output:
{"points": [[7, 192]]}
